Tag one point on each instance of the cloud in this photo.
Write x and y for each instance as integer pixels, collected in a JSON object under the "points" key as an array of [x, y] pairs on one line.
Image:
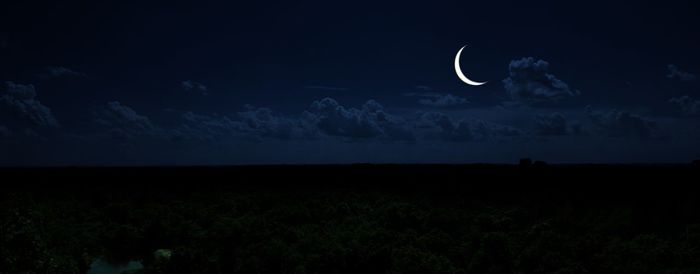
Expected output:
{"points": [[326, 88], [205, 127], [123, 122], [253, 124], [686, 104], [529, 82], [616, 123], [675, 73], [264, 122], [369, 121], [190, 85], [55, 72], [434, 99], [19, 107], [551, 125], [325, 118], [467, 130]]}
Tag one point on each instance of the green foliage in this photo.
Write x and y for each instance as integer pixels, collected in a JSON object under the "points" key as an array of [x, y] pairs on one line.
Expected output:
{"points": [[336, 231]]}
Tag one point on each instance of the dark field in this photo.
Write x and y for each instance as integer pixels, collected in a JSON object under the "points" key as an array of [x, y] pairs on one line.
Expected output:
{"points": [[354, 219]]}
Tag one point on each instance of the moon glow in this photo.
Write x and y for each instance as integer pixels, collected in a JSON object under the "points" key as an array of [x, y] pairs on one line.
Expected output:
{"points": [[461, 75]]}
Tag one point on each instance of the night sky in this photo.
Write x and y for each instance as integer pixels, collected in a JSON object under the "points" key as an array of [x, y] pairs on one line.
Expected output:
{"points": [[301, 82]]}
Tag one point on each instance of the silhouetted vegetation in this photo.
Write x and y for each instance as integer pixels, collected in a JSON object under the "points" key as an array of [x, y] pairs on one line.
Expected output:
{"points": [[348, 229]]}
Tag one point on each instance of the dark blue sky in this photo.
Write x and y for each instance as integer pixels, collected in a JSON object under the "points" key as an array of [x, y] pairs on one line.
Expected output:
{"points": [[108, 82]]}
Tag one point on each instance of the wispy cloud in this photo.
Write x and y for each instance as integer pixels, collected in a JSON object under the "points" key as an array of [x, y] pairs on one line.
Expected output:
{"points": [[675, 73], [620, 123], [468, 129], [57, 71], [686, 104], [190, 85], [551, 125], [435, 99], [326, 88]]}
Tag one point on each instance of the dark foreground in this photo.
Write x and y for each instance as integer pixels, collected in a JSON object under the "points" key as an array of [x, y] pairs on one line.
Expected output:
{"points": [[353, 219]]}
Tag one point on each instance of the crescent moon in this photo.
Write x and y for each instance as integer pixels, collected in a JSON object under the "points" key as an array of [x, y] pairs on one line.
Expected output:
{"points": [[461, 75]]}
